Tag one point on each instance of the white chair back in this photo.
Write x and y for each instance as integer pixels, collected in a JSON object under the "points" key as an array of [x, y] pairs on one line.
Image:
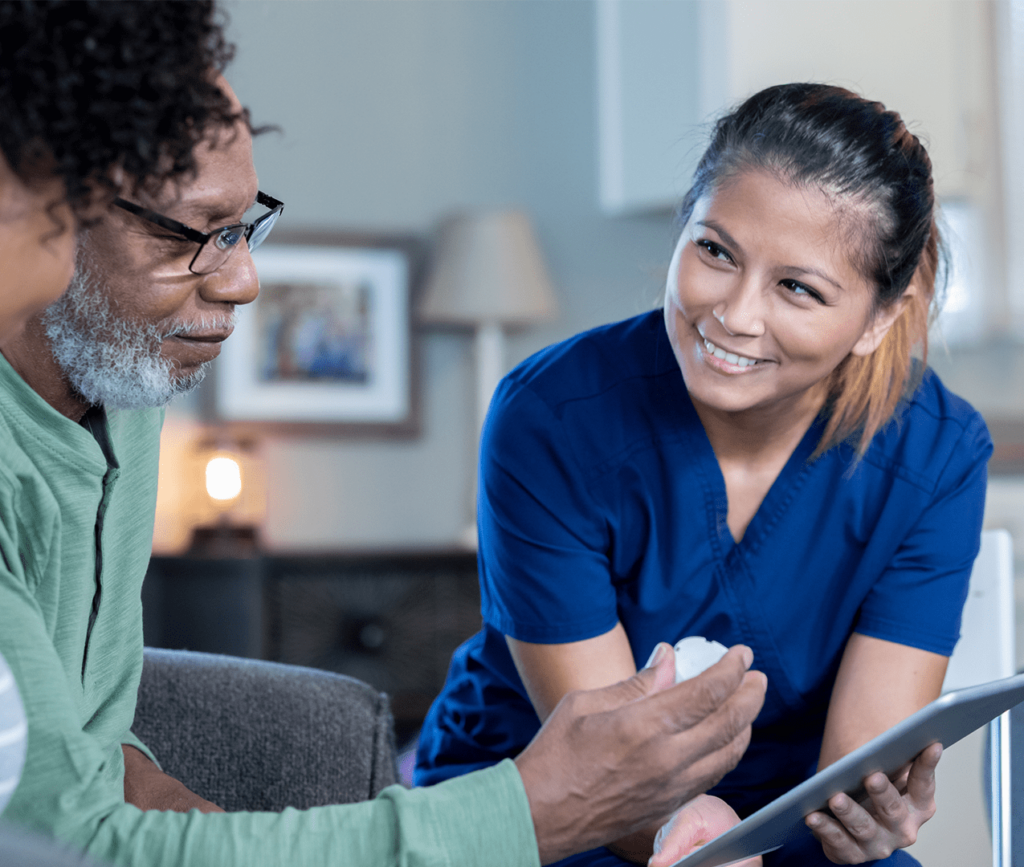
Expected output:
{"points": [[987, 651], [987, 647]]}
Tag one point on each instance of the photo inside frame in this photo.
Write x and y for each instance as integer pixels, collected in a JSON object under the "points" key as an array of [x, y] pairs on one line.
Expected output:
{"points": [[328, 341], [316, 331]]}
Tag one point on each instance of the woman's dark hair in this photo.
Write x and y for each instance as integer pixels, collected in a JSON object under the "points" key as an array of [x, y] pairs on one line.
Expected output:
{"points": [[90, 86], [862, 156]]}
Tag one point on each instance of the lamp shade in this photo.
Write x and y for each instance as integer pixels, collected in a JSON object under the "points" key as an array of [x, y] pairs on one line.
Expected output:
{"points": [[487, 268]]}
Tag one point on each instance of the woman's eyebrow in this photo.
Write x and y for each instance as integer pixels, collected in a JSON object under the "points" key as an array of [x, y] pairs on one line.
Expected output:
{"points": [[816, 273], [725, 236]]}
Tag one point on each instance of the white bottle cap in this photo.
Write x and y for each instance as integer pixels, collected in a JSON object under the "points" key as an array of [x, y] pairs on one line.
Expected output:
{"points": [[694, 654]]}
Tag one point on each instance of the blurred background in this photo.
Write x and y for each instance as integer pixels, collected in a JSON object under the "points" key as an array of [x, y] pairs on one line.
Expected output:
{"points": [[570, 127]]}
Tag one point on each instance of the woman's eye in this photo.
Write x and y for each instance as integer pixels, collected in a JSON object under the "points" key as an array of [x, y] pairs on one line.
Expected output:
{"points": [[714, 250], [801, 290]]}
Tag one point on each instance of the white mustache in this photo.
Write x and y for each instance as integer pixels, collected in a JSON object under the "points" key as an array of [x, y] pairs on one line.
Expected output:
{"points": [[203, 324]]}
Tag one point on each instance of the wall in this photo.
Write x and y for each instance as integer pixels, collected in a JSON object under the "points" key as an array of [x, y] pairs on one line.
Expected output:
{"points": [[395, 113]]}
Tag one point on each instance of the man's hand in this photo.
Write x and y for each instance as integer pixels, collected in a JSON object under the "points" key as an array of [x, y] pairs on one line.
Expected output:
{"points": [[696, 824], [149, 788], [611, 760], [889, 821]]}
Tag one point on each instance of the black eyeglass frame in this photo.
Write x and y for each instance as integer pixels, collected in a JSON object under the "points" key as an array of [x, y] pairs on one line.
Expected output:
{"points": [[202, 238]]}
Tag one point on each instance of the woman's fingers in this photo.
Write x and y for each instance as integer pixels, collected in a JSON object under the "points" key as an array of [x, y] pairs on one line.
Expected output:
{"points": [[857, 821], [921, 779], [888, 807], [836, 841], [888, 821]]}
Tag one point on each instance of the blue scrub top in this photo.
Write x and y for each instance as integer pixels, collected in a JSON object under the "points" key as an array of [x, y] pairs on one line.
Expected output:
{"points": [[601, 501]]}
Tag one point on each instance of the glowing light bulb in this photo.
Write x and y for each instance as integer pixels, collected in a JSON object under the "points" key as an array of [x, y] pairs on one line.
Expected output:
{"points": [[223, 478]]}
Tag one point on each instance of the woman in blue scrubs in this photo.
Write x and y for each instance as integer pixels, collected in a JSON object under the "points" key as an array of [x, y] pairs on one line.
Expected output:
{"points": [[762, 461]]}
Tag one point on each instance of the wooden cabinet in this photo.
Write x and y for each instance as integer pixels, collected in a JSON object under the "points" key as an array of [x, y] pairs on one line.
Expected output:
{"points": [[392, 619], [667, 68]]}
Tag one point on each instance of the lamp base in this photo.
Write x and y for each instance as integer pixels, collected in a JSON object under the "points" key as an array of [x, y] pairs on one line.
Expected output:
{"points": [[225, 541], [468, 538]]}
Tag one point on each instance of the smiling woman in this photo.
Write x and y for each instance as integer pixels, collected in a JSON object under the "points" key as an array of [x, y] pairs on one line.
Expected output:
{"points": [[729, 467]]}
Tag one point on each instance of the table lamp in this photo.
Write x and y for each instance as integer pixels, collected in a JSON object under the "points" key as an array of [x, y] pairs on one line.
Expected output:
{"points": [[230, 507], [488, 274]]}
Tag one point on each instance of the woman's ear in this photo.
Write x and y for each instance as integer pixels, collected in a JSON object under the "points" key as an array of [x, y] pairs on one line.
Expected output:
{"points": [[883, 320]]}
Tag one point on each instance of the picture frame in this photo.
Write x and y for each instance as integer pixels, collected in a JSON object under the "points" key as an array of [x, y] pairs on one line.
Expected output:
{"points": [[327, 347]]}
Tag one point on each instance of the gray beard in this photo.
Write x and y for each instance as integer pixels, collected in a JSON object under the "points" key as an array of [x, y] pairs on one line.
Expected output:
{"points": [[110, 361]]}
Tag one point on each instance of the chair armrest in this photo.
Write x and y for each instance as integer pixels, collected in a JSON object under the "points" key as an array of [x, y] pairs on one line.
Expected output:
{"points": [[253, 735]]}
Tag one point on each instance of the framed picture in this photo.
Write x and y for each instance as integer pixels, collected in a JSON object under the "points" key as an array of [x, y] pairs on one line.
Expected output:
{"points": [[329, 341]]}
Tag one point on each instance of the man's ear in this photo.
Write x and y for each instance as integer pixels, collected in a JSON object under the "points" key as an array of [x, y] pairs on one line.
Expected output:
{"points": [[883, 320]]}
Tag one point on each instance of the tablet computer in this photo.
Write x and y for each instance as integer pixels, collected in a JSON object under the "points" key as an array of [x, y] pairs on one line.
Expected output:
{"points": [[946, 720]]}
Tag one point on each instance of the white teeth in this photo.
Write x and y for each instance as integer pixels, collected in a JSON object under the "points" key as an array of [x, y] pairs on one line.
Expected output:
{"points": [[729, 357]]}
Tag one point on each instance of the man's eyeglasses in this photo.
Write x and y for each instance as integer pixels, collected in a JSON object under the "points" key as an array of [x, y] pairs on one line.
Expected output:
{"points": [[214, 247]]}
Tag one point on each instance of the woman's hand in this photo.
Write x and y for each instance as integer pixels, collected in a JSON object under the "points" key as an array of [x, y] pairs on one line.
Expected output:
{"points": [[695, 823], [890, 821]]}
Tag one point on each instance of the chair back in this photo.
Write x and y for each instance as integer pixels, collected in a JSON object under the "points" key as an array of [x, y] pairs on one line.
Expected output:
{"points": [[987, 647], [987, 651]]}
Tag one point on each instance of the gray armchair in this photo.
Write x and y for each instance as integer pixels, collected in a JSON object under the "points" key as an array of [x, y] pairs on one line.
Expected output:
{"points": [[251, 735]]}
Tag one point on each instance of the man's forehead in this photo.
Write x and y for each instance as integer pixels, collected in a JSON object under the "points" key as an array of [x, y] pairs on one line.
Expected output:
{"points": [[223, 186]]}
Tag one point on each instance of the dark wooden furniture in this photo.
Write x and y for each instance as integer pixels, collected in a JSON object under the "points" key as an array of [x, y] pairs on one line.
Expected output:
{"points": [[391, 619]]}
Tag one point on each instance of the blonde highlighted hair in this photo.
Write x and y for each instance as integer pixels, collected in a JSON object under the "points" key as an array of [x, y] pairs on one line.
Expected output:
{"points": [[865, 391]]}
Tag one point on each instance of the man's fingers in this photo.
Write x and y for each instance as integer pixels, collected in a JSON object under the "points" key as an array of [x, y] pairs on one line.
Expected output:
{"points": [[704, 767], [688, 703], [658, 676], [723, 734], [709, 689], [721, 717], [663, 664], [713, 687]]}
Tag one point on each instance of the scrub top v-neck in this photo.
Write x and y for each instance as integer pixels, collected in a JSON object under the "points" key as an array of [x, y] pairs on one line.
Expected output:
{"points": [[716, 500], [601, 501]]}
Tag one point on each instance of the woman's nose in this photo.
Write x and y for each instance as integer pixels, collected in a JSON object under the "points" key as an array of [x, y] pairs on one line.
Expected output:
{"points": [[742, 314]]}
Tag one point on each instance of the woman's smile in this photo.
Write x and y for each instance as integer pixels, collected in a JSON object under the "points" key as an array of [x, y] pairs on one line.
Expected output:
{"points": [[731, 363]]}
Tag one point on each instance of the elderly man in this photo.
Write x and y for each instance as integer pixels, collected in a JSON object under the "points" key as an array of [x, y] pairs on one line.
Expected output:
{"points": [[80, 389]]}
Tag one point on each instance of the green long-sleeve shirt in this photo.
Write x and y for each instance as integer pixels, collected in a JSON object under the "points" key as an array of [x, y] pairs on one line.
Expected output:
{"points": [[76, 523]]}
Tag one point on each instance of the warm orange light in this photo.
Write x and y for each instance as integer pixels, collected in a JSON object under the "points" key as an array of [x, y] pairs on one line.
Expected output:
{"points": [[223, 478]]}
